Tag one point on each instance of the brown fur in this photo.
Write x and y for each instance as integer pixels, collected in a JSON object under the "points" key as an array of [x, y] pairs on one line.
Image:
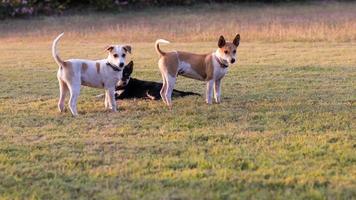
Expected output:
{"points": [[127, 48], [229, 47], [68, 71], [196, 66], [84, 67], [98, 68], [109, 48], [200, 63], [209, 67], [160, 52], [170, 59]]}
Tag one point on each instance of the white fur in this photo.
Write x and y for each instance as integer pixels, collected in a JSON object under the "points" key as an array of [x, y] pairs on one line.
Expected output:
{"points": [[162, 41], [54, 48], [209, 91], [188, 71], [226, 57], [72, 76], [219, 73]]}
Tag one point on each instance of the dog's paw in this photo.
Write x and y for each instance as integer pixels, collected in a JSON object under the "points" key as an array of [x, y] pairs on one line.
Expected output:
{"points": [[100, 96]]}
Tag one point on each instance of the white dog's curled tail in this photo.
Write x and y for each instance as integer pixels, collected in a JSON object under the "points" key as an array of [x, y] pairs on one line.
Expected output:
{"points": [[55, 55], [159, 51]]}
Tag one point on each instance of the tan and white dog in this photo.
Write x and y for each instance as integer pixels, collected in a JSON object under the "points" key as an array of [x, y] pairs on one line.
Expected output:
{"points": [[210, 67], [103, 73]]}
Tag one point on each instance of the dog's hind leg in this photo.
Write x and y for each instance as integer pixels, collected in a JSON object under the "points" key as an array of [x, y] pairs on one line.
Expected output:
{"points": [[162, 69], [171, 81], [164, 88], [63, 90], [74, 90]]}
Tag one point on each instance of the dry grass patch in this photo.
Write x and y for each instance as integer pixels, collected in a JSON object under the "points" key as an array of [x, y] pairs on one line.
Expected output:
{"points": [[289, 22]]}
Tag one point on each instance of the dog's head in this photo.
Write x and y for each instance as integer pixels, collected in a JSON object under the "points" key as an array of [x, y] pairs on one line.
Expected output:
{"points": [[117, 54], [126, 74], [227, 50]]}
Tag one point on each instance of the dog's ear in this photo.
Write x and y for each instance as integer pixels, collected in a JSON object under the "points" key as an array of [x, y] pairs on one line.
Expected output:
{"points": [[221, 42], [109, 48], [127, 48], [129, 67], [237, 40]]}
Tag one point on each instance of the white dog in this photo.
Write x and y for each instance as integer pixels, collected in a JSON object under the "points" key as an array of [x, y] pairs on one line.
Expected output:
{"points": [[99, 74]]}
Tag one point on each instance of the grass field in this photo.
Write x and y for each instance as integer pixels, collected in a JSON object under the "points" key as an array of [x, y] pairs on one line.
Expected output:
{"points": [[285, 128]]}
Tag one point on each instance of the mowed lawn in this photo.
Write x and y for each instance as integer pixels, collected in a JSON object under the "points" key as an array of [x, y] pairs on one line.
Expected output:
{"points": [[285, 128]]}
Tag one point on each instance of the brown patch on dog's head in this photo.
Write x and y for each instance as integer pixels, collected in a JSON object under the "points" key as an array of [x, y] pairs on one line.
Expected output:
{"points": [[109, 48], [98, 68], [227, 50], [127, 48], [84, 67]]}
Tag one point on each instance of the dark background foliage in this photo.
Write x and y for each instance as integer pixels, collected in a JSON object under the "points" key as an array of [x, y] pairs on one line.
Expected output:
{"points": [[25, 8]]}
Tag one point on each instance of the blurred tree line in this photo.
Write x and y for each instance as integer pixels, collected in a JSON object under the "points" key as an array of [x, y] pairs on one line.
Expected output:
{"points": [[21, 8]]}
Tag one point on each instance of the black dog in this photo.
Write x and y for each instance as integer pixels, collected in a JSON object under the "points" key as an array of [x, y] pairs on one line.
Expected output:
{"points": [[134, 88]]}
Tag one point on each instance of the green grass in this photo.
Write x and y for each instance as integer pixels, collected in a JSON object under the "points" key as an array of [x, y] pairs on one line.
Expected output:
{"points": [[285, 127]]}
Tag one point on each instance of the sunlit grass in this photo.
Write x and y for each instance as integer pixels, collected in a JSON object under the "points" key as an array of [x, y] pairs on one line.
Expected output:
{"points": [[285, 128]]}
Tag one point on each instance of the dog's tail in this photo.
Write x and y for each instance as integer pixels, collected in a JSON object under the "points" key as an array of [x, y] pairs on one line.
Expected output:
{"points": [[178, 93], [55, 55], [158, 50]]}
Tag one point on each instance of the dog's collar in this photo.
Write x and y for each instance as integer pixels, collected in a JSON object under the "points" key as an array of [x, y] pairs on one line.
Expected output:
{"points": [[113, 67], [221, 63]]}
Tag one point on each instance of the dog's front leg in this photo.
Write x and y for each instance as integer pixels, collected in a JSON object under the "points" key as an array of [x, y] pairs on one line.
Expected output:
{"points": [[217, 91], [112, 99], [107, 106], [209, 91]]}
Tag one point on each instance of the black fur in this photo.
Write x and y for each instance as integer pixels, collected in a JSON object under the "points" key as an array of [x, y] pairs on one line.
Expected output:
{"points": [[135, 88], [145, 89]]}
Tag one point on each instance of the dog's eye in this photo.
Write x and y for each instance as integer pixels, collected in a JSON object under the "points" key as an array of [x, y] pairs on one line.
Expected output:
{"points": [[234, 51], [115, 55], [226, 52], [123, 55]]}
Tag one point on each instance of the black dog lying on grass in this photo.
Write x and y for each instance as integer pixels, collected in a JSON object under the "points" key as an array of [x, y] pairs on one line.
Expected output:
{"points": [[129, 88]]}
